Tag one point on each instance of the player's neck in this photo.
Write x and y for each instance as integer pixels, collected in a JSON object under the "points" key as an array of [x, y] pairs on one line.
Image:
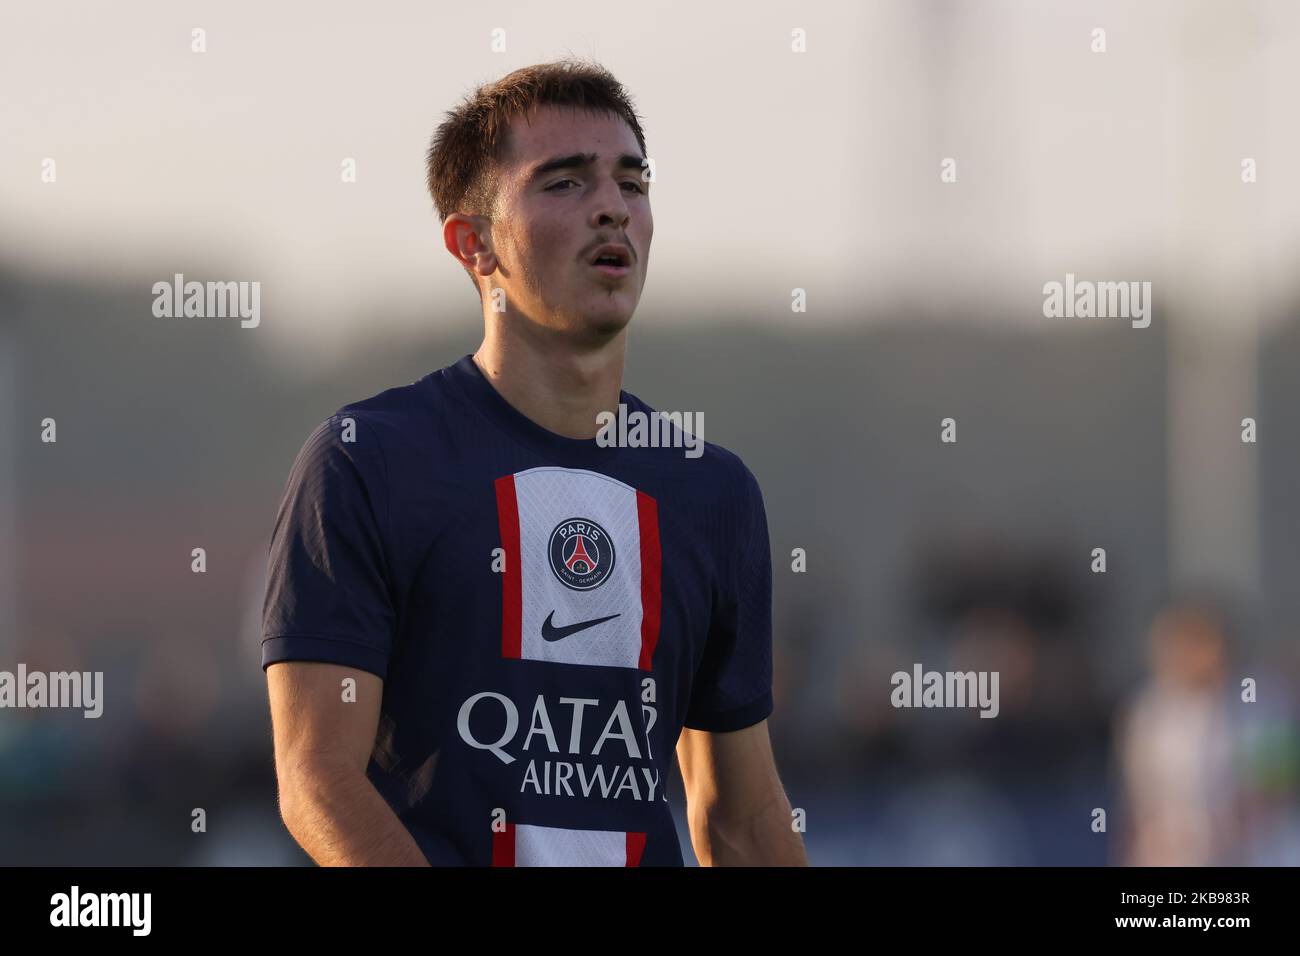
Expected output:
{"points": [[560, 388]]}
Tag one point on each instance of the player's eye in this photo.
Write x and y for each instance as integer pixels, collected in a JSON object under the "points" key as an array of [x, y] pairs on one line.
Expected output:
{"points": [[555, 187]]}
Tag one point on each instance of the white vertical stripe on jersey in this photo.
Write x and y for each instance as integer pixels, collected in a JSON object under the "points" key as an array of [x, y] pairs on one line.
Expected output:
{"points": [[546, 497]]}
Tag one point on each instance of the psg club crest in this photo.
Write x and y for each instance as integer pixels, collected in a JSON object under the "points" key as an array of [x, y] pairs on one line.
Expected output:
{"points": [[582, 556]]}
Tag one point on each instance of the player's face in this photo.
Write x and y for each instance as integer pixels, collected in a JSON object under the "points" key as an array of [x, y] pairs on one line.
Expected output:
{"points": [[551, 219]]}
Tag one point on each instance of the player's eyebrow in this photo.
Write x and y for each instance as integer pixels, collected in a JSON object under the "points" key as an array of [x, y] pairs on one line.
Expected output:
{"points": [[582, 161]]}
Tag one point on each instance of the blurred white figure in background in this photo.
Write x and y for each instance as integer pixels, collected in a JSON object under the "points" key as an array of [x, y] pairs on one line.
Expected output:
{"points": [[1176, 748]]}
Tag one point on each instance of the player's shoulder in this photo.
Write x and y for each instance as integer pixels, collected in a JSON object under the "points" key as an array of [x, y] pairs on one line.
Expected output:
{"points": [[370, 429], [704, 463], [395, 411], [427, 413]]}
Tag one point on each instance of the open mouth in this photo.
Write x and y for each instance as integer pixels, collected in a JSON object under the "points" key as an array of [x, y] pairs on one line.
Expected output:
{"points": [[612, 260], [610, 268]]}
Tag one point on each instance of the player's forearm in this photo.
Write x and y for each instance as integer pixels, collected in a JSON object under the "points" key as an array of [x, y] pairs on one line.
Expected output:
{"points": [[763, 838], [339, 819]]}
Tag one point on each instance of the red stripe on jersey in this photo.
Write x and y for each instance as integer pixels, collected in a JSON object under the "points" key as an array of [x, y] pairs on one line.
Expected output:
{"points": [[503, 846], [512, 581], [647, 512], [635, 847]]}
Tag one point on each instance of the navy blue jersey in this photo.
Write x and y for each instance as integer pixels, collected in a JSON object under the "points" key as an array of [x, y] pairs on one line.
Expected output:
{"points": [[546, 615]]}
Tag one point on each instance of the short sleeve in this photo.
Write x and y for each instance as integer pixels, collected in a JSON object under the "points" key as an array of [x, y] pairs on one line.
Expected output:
{"points": [[733, 686], [328, 593]]}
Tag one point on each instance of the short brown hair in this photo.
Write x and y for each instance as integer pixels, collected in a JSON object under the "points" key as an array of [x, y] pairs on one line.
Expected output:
{"points": [[462, 161]]}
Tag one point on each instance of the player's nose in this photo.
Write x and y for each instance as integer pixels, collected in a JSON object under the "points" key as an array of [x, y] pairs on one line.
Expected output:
{"points": [[610, 208]]}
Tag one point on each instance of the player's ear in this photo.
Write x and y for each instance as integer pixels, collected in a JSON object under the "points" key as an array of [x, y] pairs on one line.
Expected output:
{"points": [[469, 239]]}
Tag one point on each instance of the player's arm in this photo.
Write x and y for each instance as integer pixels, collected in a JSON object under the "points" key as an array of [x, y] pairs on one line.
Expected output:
{"points": [[736, 806], [322, 746]]}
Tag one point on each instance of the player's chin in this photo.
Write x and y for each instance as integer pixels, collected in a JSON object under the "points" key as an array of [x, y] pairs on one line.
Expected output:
{"points": [[605, 327], [607, 318]]}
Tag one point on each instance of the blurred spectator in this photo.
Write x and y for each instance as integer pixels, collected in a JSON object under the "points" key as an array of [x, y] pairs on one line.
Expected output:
{"points": [[1177, 746]]}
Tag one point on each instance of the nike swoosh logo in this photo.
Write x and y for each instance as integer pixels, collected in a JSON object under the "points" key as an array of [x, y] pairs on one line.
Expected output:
{"points": [[552, 633]]}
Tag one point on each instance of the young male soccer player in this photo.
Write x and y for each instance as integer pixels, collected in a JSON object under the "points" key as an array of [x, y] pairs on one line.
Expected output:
{"points": [[485, 632]]}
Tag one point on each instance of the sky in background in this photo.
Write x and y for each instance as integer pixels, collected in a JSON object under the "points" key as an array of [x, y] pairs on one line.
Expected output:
{"points": [[774, 169]]}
